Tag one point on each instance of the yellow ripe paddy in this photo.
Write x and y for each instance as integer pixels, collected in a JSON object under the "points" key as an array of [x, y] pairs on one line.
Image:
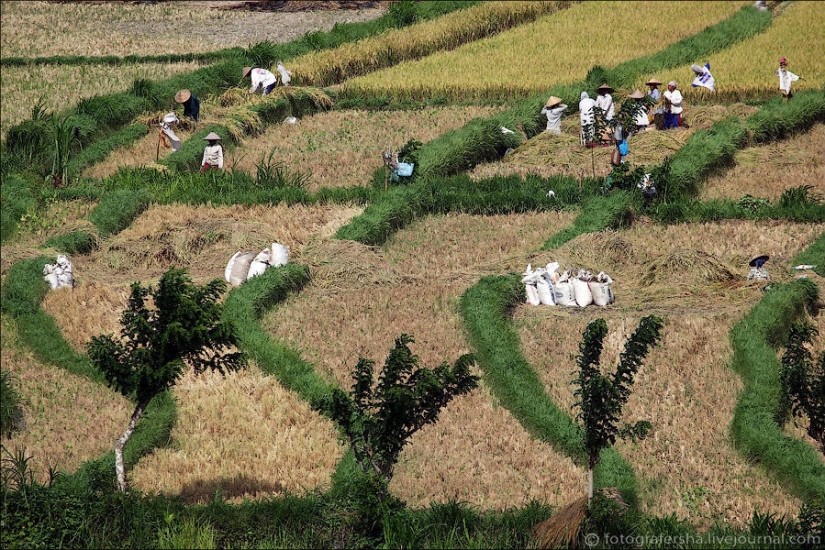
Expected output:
{"points": [[748, 68], [557, 49]]}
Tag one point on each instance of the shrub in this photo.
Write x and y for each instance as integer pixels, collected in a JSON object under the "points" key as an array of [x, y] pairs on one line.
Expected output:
{"points": [[76, 242]]}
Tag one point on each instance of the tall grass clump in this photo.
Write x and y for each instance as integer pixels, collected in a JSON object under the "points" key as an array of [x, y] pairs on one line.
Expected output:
{"points": [[755, 429], [116, 211], [76, 242], [485, 310], [11, 411], [16, 199]]}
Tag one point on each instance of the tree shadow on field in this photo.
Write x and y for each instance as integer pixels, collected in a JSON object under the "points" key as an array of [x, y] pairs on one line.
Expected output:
{"points": [[201, 491]]}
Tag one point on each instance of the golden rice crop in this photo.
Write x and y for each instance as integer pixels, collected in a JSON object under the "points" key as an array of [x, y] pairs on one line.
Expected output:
{"points": [[244, 434], [444, 33], [556, 49], [748, 68]]}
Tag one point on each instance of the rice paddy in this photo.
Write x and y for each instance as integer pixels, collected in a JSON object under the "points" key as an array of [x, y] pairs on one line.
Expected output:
{"points": [[553, 50], [689, 466], [252, 439]]}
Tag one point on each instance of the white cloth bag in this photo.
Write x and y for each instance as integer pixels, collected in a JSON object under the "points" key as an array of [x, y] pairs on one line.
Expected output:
{"points": [[238, 267], [280, 255], [602, 289]]}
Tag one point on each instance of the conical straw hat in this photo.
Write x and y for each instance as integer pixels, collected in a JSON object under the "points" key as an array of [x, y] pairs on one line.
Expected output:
{"points": [[552, 101], [212, 136], [182, 95]]}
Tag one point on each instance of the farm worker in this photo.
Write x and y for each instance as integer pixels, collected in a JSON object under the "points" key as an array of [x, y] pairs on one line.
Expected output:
{"points": [[553, 109], [286, 76], [212, 153], [656, 114], [604, 101], [191, 105], [785, 78], [673, 106], [260, 78], [640, 121], [703, 76], [586, 117]]}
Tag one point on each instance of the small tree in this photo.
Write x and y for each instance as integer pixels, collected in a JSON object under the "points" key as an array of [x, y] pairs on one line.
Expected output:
{"points": [[803, 382], [601, 397], [379, 422], [184, 328]]}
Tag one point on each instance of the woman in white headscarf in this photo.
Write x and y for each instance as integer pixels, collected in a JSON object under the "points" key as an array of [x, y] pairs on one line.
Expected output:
{"points": [[586, 117]]}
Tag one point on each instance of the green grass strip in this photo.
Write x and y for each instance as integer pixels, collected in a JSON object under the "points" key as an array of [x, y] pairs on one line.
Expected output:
{"points": [[16, 199], [485, 309], [613, 211], [100, 150], [114, 60], [23, 292], [755, 341], [116, 210], [813, 255], [245, 305]]}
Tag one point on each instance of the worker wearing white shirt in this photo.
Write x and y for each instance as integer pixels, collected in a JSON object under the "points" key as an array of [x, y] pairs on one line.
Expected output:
{"points": [[260, 78], [673, 108], [553, 110], [785, 78], [604, 101], [586, 117], [212, 153]]}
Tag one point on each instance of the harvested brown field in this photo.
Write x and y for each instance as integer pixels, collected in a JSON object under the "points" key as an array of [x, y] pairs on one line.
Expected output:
{"points": [[477, 452], [551, 155], [58, 409], [333, 147], [244, 434], [793, 162], [343, 148], [147, 28], [688, 466]]}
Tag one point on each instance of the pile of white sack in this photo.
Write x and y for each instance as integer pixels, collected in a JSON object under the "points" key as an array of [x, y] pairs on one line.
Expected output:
{"points": [[245, 265], [574, 287], [60, 274]]}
